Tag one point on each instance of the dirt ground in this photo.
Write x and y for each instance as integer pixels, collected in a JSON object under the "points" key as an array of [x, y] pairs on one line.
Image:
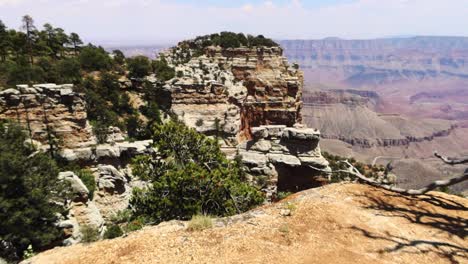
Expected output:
{"points": [[340, 223]]}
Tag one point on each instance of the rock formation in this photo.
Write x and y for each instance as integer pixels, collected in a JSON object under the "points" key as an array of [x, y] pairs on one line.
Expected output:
{"points": [[281, 158], [232, 90], [49, 110], [83, 211], [347, 115], [251, 98]]}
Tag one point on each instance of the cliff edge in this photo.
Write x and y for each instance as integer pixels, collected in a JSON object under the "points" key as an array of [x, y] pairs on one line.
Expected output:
{"points": [[309, 227]]}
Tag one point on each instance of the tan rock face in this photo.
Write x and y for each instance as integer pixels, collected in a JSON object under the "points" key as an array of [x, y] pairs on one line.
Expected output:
{"points": [[49, 107], [281, 158], [232, 90]]}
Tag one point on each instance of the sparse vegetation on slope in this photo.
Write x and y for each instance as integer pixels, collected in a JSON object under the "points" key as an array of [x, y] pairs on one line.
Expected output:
{"points": [[196, 47]]}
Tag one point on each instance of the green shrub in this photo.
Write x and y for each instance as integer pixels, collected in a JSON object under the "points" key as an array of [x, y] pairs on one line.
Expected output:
{"points": [[194, 177], [283, 195], [122, 216], [28, 253], [113, 231], [134, 225], [139, 66], [200, 222], [89, 234], [94, 58], [163, 71], [101, 131], [199, 122], [68, 71], [88, 180]]}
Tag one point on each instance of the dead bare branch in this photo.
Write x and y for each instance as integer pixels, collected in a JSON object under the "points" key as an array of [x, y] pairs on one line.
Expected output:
{"points": [[450, 160], [432, 186]]}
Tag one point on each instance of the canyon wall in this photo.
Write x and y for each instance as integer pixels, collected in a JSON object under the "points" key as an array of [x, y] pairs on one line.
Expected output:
{"points": [[49, 112], [348, 116], [232, 90], [378, 61]]}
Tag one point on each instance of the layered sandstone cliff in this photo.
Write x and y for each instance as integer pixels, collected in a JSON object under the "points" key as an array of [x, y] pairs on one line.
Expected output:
{"points": [[50, 112], [232, 90]]}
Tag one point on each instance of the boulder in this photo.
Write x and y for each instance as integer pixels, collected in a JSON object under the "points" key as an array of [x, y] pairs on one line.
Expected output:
{"points": [[302, 134], [79, 154], [261, 145], [115, 135], [253, 158], [110, 179], [24, 89], [107, 151], [318, 162], [284, 159], [77, 185]]}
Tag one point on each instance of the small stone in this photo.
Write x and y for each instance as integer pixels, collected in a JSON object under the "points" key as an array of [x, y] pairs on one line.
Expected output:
{"points": [[285, 212]]}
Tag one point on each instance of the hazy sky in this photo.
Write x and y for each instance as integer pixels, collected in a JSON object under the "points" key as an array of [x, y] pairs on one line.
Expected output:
{"points": [[163, 21]]}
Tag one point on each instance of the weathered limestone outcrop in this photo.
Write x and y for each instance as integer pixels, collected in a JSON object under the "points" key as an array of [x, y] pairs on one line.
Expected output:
{"points": [[110, 166], [116, 153], [76, 184], [232, 90], [83, 211], [281, 158], [49, 109]]}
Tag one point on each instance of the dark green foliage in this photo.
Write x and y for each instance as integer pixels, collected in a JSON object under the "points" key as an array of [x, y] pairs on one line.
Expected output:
{"points": [[123, 105], [162, 69], [224, 40], [194, 176], [105, 101], [30, 193], [199, 122], [232, 40], [151, 111], [25, 73], [75, 41], [139, 66], [135, 127], [88, 179], [119, 57], [68, 71], [47, 55], [5, 42], [113, 231], [100, 129], [94, 58]]}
